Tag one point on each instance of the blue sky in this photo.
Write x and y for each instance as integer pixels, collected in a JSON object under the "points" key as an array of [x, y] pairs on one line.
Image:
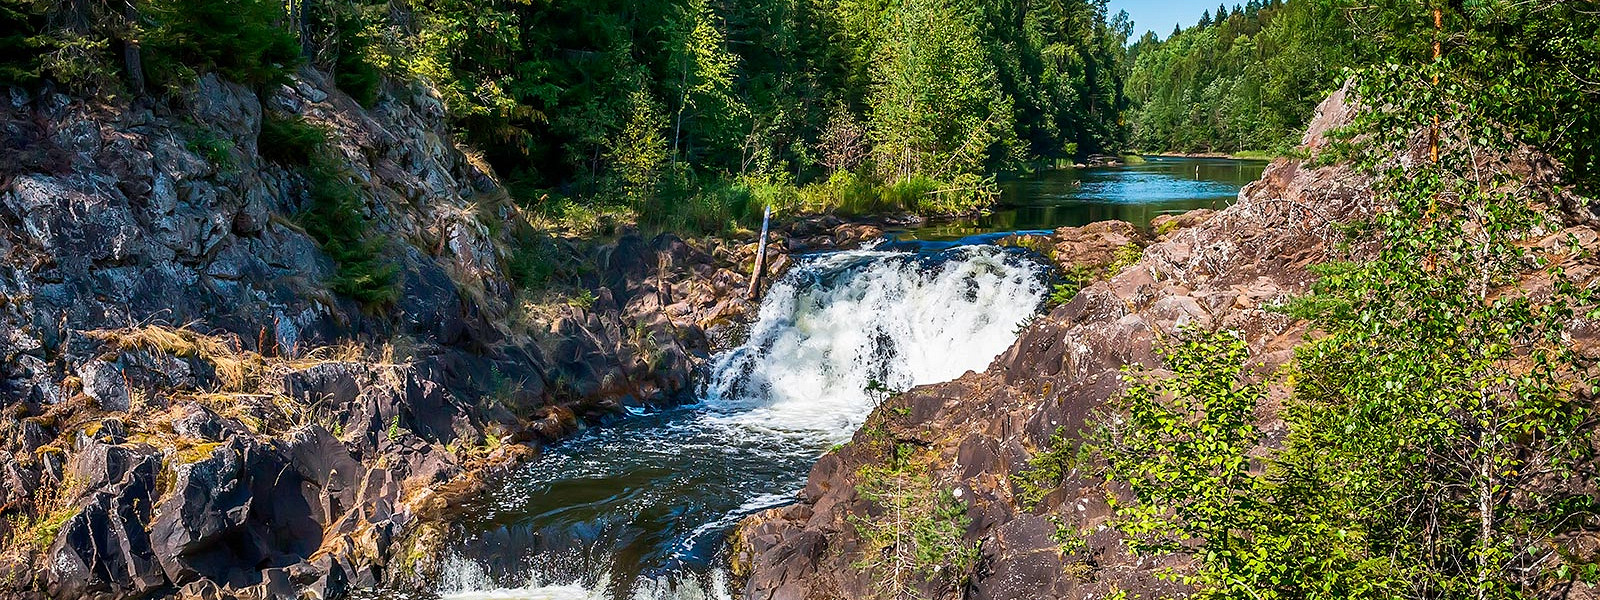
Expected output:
{"points": [[1160, 15]]}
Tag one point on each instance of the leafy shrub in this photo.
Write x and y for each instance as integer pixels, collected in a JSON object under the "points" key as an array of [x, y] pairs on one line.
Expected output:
{"points": [[30, 49], [909, 194], [353, 68], [1124, 257], [920, 533], [240, 39], [84, 64], [216, 149], [1072, 282], [336, 222], [290, 140], [1184, 451], [582, 299], [854, 193], [1047, 469], [534, 258]]}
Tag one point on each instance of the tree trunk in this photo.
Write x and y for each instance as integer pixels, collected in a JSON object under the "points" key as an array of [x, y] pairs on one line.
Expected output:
{"points": [[1485, 513], [132, 61], [761, 256]]}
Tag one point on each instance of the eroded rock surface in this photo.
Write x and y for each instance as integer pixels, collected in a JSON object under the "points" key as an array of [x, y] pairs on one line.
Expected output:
{"points": [[1204, 269], [187, 409]]}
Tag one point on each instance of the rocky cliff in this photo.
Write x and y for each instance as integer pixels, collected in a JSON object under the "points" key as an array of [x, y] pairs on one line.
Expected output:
{"points": [[977, 436], [188, 408]]}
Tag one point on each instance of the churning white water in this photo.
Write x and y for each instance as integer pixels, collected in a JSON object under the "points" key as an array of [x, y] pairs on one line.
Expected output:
{"points": [[847, 327], [639, 510]]}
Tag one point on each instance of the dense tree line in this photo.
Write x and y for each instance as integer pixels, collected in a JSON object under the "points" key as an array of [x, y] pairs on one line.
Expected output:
{"points": [[648, 101], [1242, 79], [1249, 77], [1438, 441]]}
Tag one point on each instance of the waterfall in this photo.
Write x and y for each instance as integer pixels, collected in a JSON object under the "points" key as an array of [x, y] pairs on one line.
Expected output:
{"points": [[639, 510], [841, 330]]}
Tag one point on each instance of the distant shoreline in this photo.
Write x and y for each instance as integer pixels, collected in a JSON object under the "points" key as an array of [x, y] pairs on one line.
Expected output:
{"points": [[1245, 155]]}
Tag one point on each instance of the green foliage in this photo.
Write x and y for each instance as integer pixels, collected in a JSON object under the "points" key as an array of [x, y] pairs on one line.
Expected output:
{"points": [[215, 148], [290, 140], [1073, 280], [335, 219], [1183, 448], [639, 151], [243, 40], [32, 48], [22, 41], [1437, 421], [695, 114], [1250, 81], [918, 538], [582, 299], [1442, 387], [1185, 452], [938, 109], [52, 508], [82, 63], [534, 259], [1063, 292], [1047, 469], [909, 193], [347, 31], [699, 76], [1125, 256]]}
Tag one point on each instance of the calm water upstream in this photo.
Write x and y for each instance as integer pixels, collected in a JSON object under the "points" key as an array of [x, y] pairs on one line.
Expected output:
{"points": [[640, 509], [1133, 193]]}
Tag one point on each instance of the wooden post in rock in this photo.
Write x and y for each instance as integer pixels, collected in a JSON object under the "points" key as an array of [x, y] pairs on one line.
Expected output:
{"points": [[760, 268]]}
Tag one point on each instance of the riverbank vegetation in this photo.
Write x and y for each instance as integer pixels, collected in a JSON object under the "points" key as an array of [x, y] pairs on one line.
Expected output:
{"points": [[1439, 425], [687, 114], [1249, 77]]}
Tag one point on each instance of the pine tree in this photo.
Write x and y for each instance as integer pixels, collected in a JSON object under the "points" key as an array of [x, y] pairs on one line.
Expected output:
{"points": [[21, 41]]}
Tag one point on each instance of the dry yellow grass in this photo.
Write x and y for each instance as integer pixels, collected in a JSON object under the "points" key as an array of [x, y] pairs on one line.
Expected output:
{"points": [[249, 387], [238, 371]]}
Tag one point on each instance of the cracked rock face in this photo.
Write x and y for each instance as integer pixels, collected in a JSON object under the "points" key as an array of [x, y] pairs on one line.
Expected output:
{"points": [[234, 451], [187, 409]]}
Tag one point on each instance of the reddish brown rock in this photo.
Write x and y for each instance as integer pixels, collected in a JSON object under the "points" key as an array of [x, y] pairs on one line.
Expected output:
{"points": [[1207, 270]]}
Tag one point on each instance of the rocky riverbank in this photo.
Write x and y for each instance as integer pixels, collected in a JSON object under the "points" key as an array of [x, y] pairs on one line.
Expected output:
{"points": [[978, 443], [187, 408]]}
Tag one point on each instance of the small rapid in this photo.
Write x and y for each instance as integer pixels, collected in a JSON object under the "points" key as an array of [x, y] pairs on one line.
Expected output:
{"points": [[640, 509], [847, 326]]}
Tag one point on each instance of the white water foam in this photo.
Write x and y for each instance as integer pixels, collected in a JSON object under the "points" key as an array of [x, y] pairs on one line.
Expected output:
{"points": [[466, 580], [835, 326], [849, 322]]}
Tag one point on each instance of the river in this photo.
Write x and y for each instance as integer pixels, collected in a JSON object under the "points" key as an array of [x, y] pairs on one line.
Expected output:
{"points": [[1136, 193], [640, 509]]}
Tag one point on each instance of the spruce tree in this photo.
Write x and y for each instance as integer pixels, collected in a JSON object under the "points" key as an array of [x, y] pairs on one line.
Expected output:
{"points": [[21, 41]]}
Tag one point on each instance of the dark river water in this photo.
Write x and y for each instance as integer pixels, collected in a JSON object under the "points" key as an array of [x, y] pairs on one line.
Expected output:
{"points": [[641, 509], [1134, 193]]}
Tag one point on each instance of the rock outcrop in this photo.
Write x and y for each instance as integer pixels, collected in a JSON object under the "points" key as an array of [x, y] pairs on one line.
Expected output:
{"points": [[1207, 269], [188, 409]]}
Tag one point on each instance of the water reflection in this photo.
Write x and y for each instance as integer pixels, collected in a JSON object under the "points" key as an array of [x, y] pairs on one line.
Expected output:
{"points": [[1134, 193]]}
